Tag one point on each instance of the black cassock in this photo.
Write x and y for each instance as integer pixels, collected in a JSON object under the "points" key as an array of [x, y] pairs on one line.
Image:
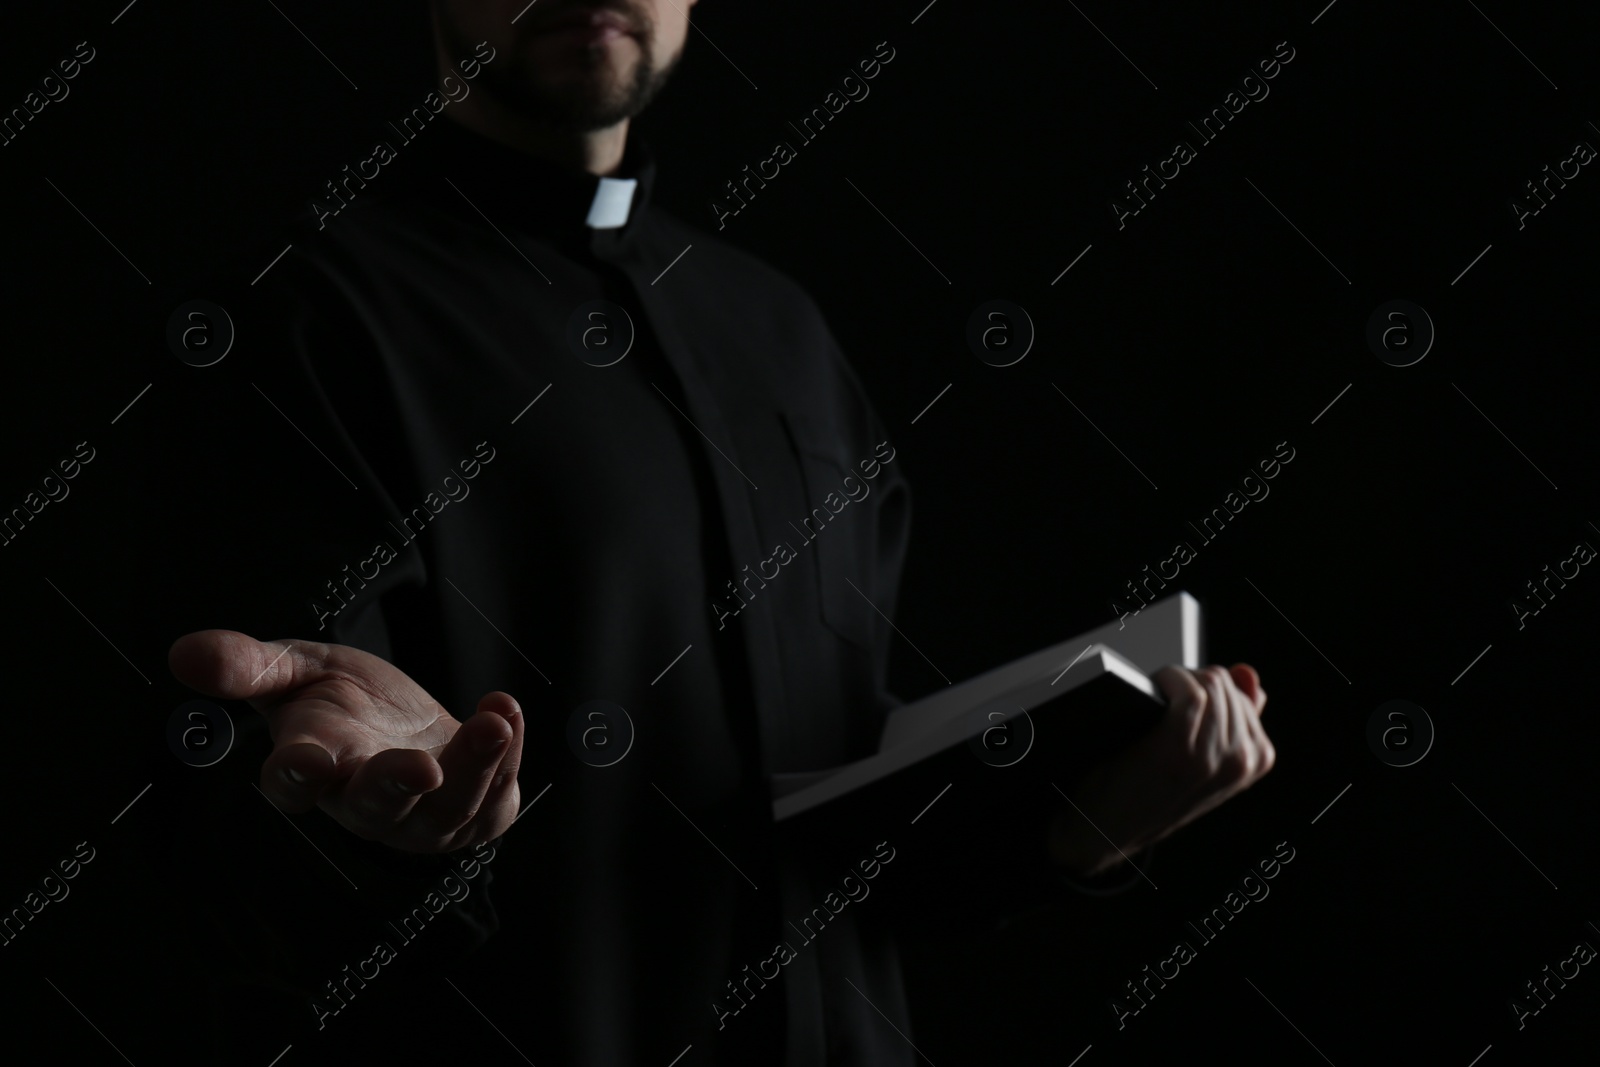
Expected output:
{"points": [[468, 432]]}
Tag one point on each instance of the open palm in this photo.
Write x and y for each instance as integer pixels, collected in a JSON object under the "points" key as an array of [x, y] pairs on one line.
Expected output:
{"points": [[354, 735]]}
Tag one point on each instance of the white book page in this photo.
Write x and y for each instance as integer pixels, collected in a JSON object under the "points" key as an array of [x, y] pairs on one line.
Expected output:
{"points": [[1166, 632]]}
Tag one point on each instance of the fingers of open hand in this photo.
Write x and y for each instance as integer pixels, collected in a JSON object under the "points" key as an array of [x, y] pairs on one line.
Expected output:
{"points": [[462, 807], [295, 777], [503, 797], [384, 790]]}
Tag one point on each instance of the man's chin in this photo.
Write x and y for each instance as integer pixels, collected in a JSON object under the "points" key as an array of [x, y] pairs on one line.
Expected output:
{"points": [[582, 100], [584, 107], [577, 93]]}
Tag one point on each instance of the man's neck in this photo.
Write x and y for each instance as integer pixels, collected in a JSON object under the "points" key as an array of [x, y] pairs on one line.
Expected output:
{"points": [[597, 152]]}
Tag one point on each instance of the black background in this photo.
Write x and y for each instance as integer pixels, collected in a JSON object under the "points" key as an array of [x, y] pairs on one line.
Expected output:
{"points": [[1197, 338]]}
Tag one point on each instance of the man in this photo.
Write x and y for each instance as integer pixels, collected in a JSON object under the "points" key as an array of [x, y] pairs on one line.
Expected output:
{"points": [[630, 516]]}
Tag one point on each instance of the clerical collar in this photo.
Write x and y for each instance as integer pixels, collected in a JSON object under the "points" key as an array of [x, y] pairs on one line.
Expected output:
{"points": [[514, 190], [613, 199]]}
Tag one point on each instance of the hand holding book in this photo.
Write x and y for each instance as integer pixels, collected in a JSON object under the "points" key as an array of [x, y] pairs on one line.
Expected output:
{"points": [[1207, 747]]}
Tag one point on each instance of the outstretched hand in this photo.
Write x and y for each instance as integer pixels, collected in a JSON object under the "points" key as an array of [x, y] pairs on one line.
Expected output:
{"points": [[354, 735]]}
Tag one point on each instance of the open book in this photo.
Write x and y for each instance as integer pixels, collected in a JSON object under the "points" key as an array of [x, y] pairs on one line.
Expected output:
{"points": [[1103, 675]]}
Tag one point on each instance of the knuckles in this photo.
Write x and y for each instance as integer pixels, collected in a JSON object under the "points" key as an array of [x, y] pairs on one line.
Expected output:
{"points": [[1186, 761], [1245, 764], [1232, 768]]}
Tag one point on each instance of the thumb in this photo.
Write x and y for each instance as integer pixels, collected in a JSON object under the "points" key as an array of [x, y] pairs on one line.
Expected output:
{"points": [[233, 666]]}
